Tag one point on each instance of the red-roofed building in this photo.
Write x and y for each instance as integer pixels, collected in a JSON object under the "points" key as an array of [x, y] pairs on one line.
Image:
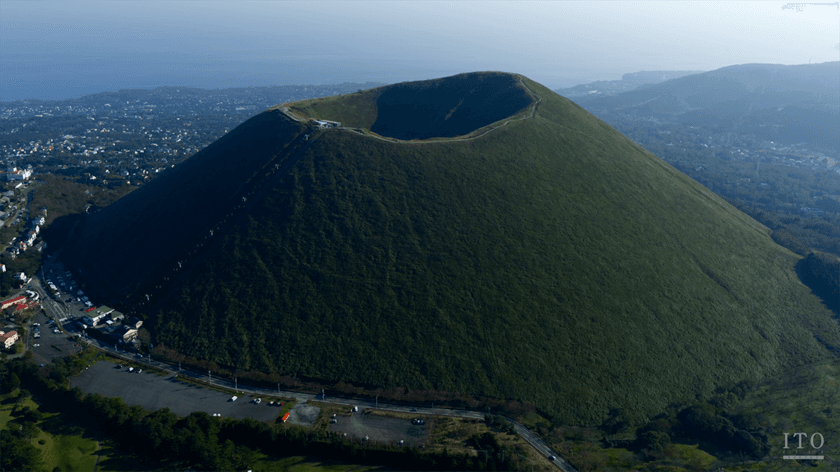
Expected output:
{"points": [[286, 417], [20, 306], [12, 301], [8, 339]]}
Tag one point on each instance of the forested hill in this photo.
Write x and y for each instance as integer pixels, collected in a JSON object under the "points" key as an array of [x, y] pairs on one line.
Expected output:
{"points": [[550, 260], [628, 82]]}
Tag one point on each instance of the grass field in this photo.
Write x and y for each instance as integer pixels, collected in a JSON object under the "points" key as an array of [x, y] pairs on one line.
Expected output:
{"points": [[65, 451]]}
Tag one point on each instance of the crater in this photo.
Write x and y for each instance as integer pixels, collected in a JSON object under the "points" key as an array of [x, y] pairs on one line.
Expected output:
{"points": [[448, 107]]}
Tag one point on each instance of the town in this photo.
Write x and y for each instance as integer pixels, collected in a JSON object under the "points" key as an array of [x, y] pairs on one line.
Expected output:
{"points": [[128, 137]]}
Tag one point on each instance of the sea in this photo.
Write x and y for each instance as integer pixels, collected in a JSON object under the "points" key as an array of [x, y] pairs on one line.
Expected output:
{"points": [[57, 78]]}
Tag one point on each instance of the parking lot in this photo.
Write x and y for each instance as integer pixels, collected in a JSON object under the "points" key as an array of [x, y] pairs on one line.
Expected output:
{"points": [[50, 345], [153, 392], [380, 429]]}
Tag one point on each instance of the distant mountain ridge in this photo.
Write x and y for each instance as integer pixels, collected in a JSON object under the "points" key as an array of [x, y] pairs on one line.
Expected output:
{"points": [[551, 260], [799, 103], [628, 82]]}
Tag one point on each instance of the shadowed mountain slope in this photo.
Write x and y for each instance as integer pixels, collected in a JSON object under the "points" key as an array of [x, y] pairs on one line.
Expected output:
{"points": [[550, 259]]}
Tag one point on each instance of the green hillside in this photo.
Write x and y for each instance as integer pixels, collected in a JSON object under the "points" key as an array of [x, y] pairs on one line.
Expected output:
{"points": [[549, 260]]}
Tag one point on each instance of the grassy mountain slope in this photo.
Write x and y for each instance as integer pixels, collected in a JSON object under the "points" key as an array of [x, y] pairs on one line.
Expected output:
{"points": [[550, 260]]}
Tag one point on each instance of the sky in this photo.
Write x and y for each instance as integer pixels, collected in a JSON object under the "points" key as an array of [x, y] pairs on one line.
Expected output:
{"points": [[61, 49]]}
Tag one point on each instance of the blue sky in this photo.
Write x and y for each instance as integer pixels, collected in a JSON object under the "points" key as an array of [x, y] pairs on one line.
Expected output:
{"points": [[53, 49]]}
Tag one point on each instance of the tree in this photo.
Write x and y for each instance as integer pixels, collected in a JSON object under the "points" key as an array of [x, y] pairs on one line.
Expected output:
{"points": [[654, 443], [10, 383], [18, 454]]}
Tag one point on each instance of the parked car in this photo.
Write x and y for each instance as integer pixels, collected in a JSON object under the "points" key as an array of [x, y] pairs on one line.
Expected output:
{"points": [[233, 398]]}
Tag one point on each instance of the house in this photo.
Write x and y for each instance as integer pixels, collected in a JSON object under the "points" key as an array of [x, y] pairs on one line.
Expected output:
{"points": [[8, 339], [12, 301], [135, 323], [123, 333]]}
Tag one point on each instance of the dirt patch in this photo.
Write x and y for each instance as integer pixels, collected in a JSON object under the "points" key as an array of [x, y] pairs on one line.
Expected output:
{"points": [[381, 429], [303, 414]]}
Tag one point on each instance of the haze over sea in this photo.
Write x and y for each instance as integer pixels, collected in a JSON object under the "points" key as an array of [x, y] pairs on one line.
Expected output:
{"points": [[51, 79], [53, 49]]}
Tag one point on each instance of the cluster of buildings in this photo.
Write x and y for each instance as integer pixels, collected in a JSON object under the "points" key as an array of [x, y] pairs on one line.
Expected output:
{"points": [[27, 238], [104, 323], [8, 339], [15, 173]]}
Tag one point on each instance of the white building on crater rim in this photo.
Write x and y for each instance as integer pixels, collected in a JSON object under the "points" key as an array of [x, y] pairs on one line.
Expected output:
{"points": [[323, 124]]}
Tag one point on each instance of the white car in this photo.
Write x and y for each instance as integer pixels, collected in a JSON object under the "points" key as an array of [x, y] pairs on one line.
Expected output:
{"points": [[258, 400], [233, 398]]}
